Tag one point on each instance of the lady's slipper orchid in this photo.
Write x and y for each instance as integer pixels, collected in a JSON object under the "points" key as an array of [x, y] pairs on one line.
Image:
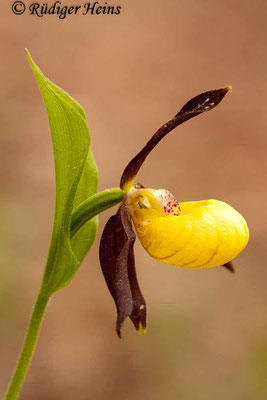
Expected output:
{"points": [[199, 234]]}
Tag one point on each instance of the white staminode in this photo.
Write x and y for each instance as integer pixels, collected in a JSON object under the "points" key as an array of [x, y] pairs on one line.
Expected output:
{"points": [[167, 201]]}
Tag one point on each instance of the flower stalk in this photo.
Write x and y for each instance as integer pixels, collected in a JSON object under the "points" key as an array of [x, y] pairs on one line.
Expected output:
{"points": [[94, 206]]}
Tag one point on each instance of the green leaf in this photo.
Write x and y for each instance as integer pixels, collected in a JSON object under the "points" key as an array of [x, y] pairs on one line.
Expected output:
{"points": [[76, 180], [85, 237]]}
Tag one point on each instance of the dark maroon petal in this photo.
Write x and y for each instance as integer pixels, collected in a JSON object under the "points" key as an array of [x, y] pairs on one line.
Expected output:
{"points": [[229, 266], [109, 250], [113, 260], [117, 263], [199, 104], [138, 315]]}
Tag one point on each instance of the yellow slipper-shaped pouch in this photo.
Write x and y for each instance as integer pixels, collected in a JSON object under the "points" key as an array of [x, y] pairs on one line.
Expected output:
{"points": [[198, 234]]}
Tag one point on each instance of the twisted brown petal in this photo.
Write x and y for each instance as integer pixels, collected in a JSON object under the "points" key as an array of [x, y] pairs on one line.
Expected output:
{"points": [[196, 106], [138, 315], [117, 263]]}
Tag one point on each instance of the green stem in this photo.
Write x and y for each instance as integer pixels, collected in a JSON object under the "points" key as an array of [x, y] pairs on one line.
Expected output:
{"points": [[28, 348], [93, 206], [87, 210]]}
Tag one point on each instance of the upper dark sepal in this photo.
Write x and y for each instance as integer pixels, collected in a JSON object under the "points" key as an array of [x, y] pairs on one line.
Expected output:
{"points": [[202, 103]]}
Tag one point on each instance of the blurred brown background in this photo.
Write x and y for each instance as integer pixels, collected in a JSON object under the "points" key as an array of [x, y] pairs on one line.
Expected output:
{"points": [[207, 334]]}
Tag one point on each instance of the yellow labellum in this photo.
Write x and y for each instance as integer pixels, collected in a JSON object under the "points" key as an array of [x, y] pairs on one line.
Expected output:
{"points": [[197, 234]]}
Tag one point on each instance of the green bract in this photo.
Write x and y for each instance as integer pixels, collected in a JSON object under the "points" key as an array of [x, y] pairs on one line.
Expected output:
{"points": [[77, 207], [76, 181]]}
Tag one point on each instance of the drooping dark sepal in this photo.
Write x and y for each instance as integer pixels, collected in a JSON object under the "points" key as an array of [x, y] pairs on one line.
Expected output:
{"points": [[202, 103], [115, 269], [117, 263]]}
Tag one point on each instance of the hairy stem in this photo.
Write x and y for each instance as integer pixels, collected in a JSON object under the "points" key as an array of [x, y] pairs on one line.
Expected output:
{"points": [[28, 348]]}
